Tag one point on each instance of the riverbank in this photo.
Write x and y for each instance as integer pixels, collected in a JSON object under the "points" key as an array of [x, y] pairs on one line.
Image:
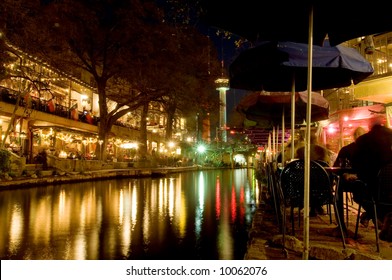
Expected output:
{"points": [[68, 177]]}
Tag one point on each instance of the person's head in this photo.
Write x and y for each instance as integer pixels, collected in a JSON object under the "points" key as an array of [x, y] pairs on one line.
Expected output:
{"points": [[376, 122], [313, 139], [358, 132]]}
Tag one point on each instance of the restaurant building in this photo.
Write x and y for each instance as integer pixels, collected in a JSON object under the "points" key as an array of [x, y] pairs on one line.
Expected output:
{"points": [[60, 117], [361, 104]]}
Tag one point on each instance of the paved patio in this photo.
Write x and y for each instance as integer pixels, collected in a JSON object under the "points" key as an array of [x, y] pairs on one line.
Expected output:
{"points": [[325, 242]]}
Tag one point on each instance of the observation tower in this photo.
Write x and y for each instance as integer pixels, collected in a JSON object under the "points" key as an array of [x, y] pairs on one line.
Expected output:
{"points": [[222, 85]]}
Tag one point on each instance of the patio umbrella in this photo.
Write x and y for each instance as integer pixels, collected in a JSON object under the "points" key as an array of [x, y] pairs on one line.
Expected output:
{"points": [[290, 21], [266, 108], [282, 66], [272, 66]]}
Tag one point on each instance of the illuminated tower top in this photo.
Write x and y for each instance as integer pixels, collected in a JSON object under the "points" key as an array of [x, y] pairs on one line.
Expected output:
{"points": [[222, 84]]}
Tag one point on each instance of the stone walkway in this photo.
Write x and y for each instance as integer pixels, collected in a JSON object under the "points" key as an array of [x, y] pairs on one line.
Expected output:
{"points": [[325, 244]]}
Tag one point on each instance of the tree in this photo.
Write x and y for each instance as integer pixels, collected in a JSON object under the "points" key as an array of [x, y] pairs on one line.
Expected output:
{"points": [[196, 66], [4, 57], [131, 53], [100, 37], [27, 81], [193, 89]]}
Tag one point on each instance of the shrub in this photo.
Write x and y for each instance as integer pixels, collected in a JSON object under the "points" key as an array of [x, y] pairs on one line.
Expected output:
{"points": [[5, 161]]}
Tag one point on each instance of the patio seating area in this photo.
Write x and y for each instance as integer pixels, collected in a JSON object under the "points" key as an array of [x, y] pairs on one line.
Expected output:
{"points": [[325, 240]]}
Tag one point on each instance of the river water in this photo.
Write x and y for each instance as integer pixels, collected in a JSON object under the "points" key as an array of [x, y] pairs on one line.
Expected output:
{"points": [[187, 216]]}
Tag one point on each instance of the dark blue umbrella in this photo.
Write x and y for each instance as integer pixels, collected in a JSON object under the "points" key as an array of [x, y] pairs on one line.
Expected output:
{"points": [[272, 66]]}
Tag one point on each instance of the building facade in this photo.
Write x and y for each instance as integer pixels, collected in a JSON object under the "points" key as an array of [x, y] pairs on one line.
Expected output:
{"points": [[361, 104], [43, 109]]}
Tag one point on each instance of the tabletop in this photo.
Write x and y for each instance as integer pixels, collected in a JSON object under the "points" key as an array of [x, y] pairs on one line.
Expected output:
{"points": [[339, 170]]}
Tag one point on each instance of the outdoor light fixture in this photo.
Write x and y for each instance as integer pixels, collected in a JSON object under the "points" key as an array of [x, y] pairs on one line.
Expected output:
{"points": [[129, 145], [63, 154], [171, 144], [201, 149], [85, 100]]}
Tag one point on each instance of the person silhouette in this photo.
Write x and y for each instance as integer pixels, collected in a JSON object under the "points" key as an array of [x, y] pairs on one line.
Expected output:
{"points": [[373, 152], [348, 181]]}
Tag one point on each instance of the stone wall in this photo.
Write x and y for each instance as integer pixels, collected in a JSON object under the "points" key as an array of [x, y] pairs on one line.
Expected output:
{"points": [[76, 165], [17, 165]]}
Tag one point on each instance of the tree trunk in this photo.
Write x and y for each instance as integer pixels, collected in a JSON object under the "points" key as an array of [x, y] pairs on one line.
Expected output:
{"points": [[104, 125], [171, 110], [143, 132]]}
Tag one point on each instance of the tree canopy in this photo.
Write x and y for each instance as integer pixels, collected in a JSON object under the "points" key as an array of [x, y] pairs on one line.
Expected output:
{"points": [[133, 54]]}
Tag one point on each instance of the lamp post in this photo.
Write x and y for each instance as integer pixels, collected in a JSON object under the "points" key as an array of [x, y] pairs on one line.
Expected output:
{"points": [[1, 133]]}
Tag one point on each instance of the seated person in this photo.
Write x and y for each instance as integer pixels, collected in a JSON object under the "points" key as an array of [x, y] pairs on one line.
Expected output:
{"points": [[287, 151], [373, 151], [345, 153], [348, 181], [318, 153]]}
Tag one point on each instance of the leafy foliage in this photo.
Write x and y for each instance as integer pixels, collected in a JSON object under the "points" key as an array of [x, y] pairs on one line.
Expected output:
{"points": [[5, 161], [132, 53]]}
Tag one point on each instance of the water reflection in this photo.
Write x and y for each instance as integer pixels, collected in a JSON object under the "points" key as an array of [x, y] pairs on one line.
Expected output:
{"points": [[193, 215]]}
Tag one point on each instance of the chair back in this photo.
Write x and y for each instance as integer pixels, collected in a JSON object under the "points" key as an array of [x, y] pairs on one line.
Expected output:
{"points": [[384, 190], [292, 183]]}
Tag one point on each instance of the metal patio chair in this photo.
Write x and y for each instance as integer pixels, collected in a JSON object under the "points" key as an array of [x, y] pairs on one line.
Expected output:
{"points": [[381, 199], [321, 192]]}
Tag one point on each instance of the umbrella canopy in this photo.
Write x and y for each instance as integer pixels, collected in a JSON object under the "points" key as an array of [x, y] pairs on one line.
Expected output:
{"points": [[259, 136], [266, 108], [272, 66], [289, 21]]}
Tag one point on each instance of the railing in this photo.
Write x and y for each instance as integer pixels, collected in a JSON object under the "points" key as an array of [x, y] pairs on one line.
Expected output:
{"points": [[11, 97]]}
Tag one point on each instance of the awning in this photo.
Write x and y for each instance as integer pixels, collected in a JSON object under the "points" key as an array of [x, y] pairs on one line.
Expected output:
{"points": [[377, 90]]}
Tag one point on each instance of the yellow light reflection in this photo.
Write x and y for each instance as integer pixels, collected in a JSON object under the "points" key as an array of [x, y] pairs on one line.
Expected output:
{"points": [[147, 217], [200, 206], [134, 207], [121, 207], [41, 221], [225, 240], [161, 198], [171, 199], [16, 229], [126, 221], [180, 210]]}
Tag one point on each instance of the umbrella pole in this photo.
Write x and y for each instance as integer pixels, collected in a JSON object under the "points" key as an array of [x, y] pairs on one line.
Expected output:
{"points": [[305, 254], [283, 132], [269, 148], [273, 143], [277, 143], [292, 117]]}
